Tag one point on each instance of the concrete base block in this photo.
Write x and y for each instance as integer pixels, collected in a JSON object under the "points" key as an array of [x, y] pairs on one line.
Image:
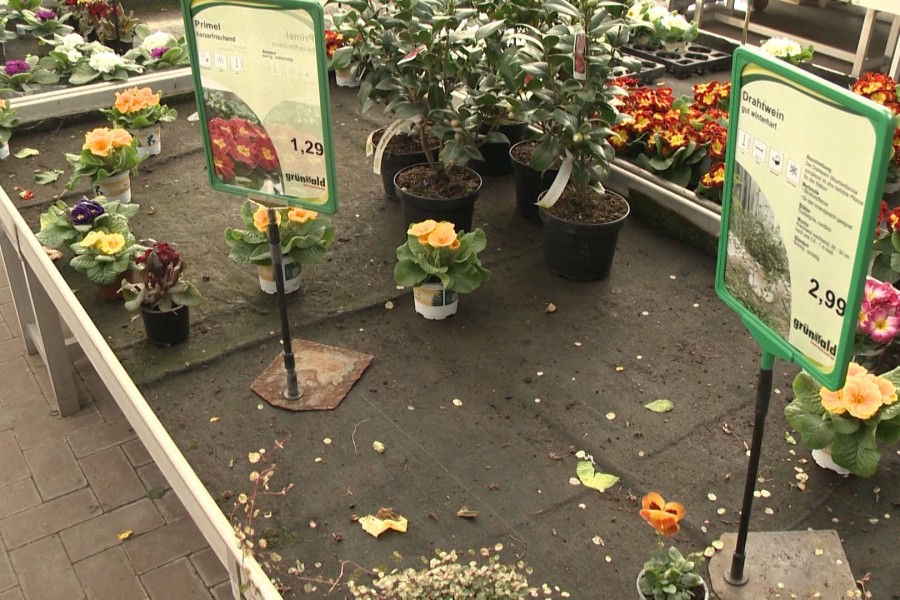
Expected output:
{"points": [[785, 564]]}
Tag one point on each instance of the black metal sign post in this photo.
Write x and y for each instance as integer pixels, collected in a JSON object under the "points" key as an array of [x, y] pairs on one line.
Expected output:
{"points": [[735, 575], [292, 391]]}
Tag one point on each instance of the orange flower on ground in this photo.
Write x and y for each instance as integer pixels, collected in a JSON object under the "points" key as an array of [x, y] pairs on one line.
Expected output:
{"points": [[98, 141], [663, 516], [261, 218], [443, 236], [302, 215]]}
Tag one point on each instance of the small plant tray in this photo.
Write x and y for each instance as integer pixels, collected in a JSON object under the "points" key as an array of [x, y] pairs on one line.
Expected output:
{"points": [[695, 59], [650, 72]]}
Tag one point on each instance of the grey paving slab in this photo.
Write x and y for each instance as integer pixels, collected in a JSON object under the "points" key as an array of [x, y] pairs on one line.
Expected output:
{"points": [[5, 332], [101, 436], [14, 594], [211, 571], [14, 465], [112, 478], [219, 592], [164, 544], [40, 431], [54, 469], [19, 385], [14, 415], [18, 496], [153, 478], [51, 517], [170, 506], [137, 454], [7, 575], [8, 311], [11, 348], [45, 572], [176, 579], [100, 533], [110, 576]]}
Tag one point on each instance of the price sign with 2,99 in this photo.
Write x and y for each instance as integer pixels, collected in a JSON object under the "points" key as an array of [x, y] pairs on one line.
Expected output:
{"points": [[827, 298]]}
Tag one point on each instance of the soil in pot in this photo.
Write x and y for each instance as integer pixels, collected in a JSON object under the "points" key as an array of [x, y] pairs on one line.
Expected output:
{"points": [[402, 151], [448, 197], [580, 237], [496, 154], [529, 183]]}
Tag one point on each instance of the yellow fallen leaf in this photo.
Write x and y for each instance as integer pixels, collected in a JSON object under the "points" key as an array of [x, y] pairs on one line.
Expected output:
{"points": [[125, 535], [386, 519]]}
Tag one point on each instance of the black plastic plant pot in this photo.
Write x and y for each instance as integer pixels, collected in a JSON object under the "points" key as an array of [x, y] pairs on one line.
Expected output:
{"points": [[496, 157], [459, 211], [392, 162], [529, 185], [167, 328], [579, 251]]}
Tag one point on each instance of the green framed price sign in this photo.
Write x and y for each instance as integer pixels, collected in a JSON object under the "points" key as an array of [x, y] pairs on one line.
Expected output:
{"points": [[805, 169], [263, 101]]}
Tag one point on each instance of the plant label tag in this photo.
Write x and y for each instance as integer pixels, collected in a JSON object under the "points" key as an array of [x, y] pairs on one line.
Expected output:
{"points": [[579, 65], [559, 184], [370, 145], [392, 130]]}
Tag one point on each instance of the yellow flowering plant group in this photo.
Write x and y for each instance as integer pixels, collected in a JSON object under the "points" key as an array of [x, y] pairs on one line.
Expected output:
{"points": [[105, 152], [137, 108], [103, 255], [435, 251], [305, 235], [851, 420]]}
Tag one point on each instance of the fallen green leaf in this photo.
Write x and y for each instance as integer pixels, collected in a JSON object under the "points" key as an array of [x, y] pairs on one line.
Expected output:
{"points": [[660, 406], [156, 493], [589, 478], [26, 152], [45, 177], [789, 439]]}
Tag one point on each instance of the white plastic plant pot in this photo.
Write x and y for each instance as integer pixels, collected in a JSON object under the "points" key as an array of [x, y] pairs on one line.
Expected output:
{"points": [[433, 302], [291, 272]]}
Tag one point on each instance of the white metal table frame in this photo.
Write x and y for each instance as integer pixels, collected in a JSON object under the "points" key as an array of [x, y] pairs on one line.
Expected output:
{"points": [[858, 60], [46, 309]]}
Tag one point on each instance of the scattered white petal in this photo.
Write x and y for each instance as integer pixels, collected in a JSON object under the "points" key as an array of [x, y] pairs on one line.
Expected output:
{"points": [[769, 510], [718, 544], [259, 406], [610, 416], [641, 453], [721, 511], [318, 459], [313, 525], [378, 447], [537, 400], [644, 313], [597, 540], [574, 481], [457, 402], [765, 493], [540, 373], [709, 552], [819, 552], [639, 357], [696, 305], [326, 441], [580, 454], [578, 343], [873, 521], [703, 528], [608, 558], [410, 407], [712, 497], [582, 506], [389, 305], [672, 277]]}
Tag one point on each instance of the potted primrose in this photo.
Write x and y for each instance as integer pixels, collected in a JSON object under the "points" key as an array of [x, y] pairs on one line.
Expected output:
{"points": [[138, 110], [305, 237], [108, 157]]}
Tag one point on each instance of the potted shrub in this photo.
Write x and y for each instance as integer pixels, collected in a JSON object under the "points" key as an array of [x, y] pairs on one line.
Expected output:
{"points": [[843, 428], [138, 110], [571, 103], [162, 296], [108, 157], [305, 237], [669, 575], [8, 121], [439, 264], [106, 258], [415, 56]]}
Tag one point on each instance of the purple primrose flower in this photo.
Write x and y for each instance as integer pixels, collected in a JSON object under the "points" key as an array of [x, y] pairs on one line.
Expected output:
{"points": [[14, 67], [45, 14], [86, 212], [158, 52]]}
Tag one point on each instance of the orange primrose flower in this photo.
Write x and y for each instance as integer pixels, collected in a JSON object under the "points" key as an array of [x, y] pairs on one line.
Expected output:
{"points": [[120, 138], [98, 141], [261, 218], [443, 235], [663, 516], [302, 215]]}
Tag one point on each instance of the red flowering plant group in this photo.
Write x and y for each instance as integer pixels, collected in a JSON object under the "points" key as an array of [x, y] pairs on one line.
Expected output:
{"points": [[882, 89], [886, 254], [678, 139], [161, 286], [243, 154]]}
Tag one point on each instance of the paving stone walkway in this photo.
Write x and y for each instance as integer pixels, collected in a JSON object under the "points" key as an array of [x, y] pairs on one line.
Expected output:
{"points": [[69, 487]]}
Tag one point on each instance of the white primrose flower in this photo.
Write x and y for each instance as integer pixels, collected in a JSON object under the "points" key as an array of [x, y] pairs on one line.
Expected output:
{"points": [[157, 39], [675, 21], [74, 55], [105, 62], [70, 41], [781, 47]]}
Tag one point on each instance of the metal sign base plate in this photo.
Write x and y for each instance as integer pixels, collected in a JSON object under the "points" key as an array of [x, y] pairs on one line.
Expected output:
{"points": [[785, 564], [325, 375]]}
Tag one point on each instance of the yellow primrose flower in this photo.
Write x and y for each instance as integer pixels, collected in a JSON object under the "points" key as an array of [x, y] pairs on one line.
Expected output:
{"points": [[90, 239], [111, 244]]}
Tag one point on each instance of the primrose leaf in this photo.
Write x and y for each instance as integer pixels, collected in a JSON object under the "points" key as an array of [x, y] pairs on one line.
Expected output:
{"points": [[26, 152], [597, 481], [660, 406], [45, 177]]}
